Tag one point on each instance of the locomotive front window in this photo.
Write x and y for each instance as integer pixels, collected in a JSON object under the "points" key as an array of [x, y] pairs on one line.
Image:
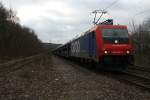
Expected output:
{"points": [[111, 35], [121, 33]]}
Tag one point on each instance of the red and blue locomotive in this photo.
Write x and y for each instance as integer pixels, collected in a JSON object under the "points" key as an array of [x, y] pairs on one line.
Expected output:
{"points": [[103, 44]]}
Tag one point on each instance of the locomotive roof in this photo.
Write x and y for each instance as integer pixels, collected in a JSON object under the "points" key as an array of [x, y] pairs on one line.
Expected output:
{"points": [[109, 26]]}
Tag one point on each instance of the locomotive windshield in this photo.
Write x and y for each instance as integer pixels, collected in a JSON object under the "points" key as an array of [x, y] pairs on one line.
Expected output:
{"points": [[112, 35]]}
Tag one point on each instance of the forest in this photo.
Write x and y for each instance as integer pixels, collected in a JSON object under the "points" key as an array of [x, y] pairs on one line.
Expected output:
{"points": [[141, 42], [16, 40]]}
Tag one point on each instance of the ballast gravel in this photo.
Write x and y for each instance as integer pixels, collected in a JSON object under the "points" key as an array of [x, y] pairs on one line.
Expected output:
{"points": [[54, 78]]}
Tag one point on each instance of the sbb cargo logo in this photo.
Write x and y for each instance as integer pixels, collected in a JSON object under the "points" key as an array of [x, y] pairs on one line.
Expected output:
{"points": [[75, 47]]}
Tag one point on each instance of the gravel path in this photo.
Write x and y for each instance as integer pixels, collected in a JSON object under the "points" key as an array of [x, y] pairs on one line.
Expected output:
{"points": [[83, 84]]}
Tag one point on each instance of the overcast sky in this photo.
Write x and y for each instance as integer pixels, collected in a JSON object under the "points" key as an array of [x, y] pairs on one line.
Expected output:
{"points": [[58, 21]]}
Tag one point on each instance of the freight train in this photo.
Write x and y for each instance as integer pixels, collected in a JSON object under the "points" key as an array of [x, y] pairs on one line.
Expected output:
{"points": [[104, 44]]}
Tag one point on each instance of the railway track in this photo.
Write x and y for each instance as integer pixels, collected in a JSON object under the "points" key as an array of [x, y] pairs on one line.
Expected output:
{"points": [[14, 65], [146, 69], [136, 75], [139, 76]]}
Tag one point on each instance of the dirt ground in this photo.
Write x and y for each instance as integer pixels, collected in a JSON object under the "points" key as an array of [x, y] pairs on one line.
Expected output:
{"points": [[54, 78]]}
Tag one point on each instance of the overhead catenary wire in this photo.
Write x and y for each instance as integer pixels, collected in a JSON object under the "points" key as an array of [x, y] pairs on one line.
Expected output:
{"points": [[110, 5], [144, 11], [139, 13]]}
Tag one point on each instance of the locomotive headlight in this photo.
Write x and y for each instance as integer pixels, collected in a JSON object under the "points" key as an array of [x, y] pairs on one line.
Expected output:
{"points": [[128, 52], [105, 52]]}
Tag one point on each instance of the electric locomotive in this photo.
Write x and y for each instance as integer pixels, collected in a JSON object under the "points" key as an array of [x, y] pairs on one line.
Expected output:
{"points": [[105, 44]]}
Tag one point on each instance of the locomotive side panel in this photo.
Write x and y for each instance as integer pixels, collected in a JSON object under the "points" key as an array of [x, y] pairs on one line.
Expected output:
{"points": [[84, 47], [84, 52], [92, 45]]}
